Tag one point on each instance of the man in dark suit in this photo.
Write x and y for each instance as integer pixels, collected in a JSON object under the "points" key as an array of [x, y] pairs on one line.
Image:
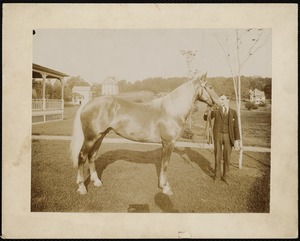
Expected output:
{"points": [[226, 134]]}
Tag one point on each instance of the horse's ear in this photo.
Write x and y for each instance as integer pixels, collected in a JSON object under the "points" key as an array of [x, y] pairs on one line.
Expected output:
{"points": [[203, 79]]}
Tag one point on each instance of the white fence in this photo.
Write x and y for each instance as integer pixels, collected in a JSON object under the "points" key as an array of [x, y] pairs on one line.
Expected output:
{"points": [[50, 104], [37, 104]]}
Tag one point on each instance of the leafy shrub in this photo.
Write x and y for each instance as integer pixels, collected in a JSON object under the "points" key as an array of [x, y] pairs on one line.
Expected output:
{"points": [[187, 134], [250, 105], [263, 104], [68, 104]]}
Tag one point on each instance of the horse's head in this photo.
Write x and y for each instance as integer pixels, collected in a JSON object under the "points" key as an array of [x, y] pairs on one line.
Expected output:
{"points": [[205, 92]]}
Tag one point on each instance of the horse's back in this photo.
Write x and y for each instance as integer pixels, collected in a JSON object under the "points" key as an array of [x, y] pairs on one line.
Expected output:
{"points": [[92, 108], [145, 122], [108, 109]]}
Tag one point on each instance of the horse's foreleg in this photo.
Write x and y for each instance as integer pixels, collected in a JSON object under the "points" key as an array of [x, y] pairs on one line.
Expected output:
{"points": [[163, 179]]}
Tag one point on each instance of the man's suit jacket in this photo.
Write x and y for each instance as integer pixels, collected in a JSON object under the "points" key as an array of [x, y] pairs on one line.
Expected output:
{"points": [[233, 128]]}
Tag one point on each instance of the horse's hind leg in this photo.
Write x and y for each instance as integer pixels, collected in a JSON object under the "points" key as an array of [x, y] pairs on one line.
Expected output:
{"points": [[80, 179], [93, 172], [91, 158], [83, 155], [163, 179]]}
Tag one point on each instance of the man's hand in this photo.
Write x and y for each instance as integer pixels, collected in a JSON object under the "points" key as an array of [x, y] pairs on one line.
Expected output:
{"points": [[237, 145]]}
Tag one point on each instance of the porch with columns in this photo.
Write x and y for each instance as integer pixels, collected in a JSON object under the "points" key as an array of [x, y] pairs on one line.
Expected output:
{"points": [[44, 110]]}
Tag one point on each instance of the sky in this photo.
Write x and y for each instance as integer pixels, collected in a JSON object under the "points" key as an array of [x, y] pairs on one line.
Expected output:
{"points": [[137, 54]]}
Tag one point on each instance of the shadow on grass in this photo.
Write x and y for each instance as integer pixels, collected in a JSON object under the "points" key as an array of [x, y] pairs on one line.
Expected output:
{"points": [[38, 200], [248, 155], [138, 208], [164, 203], [197, 158], [259, 195], [150, 157], [143, 157]]}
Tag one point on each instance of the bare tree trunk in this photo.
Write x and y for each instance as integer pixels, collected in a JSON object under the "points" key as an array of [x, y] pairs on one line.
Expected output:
{"points": [[239, 100], [235, 66], [189, 55], [240, 123]]}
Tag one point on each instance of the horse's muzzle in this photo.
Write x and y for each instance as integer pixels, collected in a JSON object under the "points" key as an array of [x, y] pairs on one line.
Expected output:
{"points": [[210, 103]]}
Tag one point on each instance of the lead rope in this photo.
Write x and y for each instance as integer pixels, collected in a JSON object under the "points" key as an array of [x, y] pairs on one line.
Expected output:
{"points": [[208, 132], [208, 128]]}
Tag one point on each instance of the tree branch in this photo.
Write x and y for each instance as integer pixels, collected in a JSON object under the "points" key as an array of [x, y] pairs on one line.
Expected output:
{"points": [[251, 53], [261, 44], [227, 54]]}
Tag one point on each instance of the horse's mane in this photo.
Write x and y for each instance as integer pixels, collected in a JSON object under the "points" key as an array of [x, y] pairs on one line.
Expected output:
{"points": [[178, 101]]}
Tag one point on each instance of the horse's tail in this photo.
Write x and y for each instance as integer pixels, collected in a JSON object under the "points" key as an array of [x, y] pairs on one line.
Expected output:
{"points": [[77, 138]]}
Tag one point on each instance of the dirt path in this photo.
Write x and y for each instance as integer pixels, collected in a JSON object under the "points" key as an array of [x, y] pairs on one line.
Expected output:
{"points": [[178, 144]]}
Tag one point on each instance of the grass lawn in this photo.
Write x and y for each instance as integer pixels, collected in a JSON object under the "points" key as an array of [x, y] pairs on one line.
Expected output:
{"points": [[130, 181], [256, 125], [60, 128]]}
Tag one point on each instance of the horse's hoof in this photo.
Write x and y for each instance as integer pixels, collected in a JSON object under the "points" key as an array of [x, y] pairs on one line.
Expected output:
{"points": [[98, 183], [82, 190], [167, 191]]}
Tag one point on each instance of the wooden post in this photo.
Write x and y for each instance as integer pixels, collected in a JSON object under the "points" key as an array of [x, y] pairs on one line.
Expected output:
{"points": [[44, 76], [62, 97]]}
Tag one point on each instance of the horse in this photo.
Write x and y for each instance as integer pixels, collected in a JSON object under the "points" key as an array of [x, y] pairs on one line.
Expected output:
{"points": [[160, 121]]}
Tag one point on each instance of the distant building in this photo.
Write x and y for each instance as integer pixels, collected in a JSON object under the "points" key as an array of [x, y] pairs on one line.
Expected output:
{"points": [[257, 96], [81, 94], [110, 86]]}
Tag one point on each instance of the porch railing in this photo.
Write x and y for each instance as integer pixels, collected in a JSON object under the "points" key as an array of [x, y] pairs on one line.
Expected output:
{"points": [[50, 104]]}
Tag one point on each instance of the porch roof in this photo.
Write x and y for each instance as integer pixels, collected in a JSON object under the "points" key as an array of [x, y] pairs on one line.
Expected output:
{"points": [[38, 70]]}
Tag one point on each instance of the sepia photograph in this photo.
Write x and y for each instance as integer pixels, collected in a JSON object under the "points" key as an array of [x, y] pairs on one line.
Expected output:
{"points": [[156, 120], [108, 91]]}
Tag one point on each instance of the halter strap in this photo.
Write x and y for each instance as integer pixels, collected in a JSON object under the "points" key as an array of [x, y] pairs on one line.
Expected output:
{"points": [[208, 128], [203, 86], [201, 91]]}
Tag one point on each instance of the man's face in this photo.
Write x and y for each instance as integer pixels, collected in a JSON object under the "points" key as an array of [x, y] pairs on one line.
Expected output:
{"points": [[224, 100]]}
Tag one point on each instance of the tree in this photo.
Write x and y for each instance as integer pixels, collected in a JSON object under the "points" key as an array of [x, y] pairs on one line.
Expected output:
{"points": [[122, 86], [71, 82], [190, 57], [53, 91], [37, 89], [34, 94], [192, 73], [268, 90], [96, 89], [238, 47]]}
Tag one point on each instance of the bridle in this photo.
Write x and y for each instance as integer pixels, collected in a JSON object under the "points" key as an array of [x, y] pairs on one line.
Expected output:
{"points": [[208, 127], [203, 86]]}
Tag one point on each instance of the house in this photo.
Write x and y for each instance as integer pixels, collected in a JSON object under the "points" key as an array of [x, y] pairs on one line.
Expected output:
{"points": [[45, 109], [110, 86], [257, 96], [81, 94]]}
